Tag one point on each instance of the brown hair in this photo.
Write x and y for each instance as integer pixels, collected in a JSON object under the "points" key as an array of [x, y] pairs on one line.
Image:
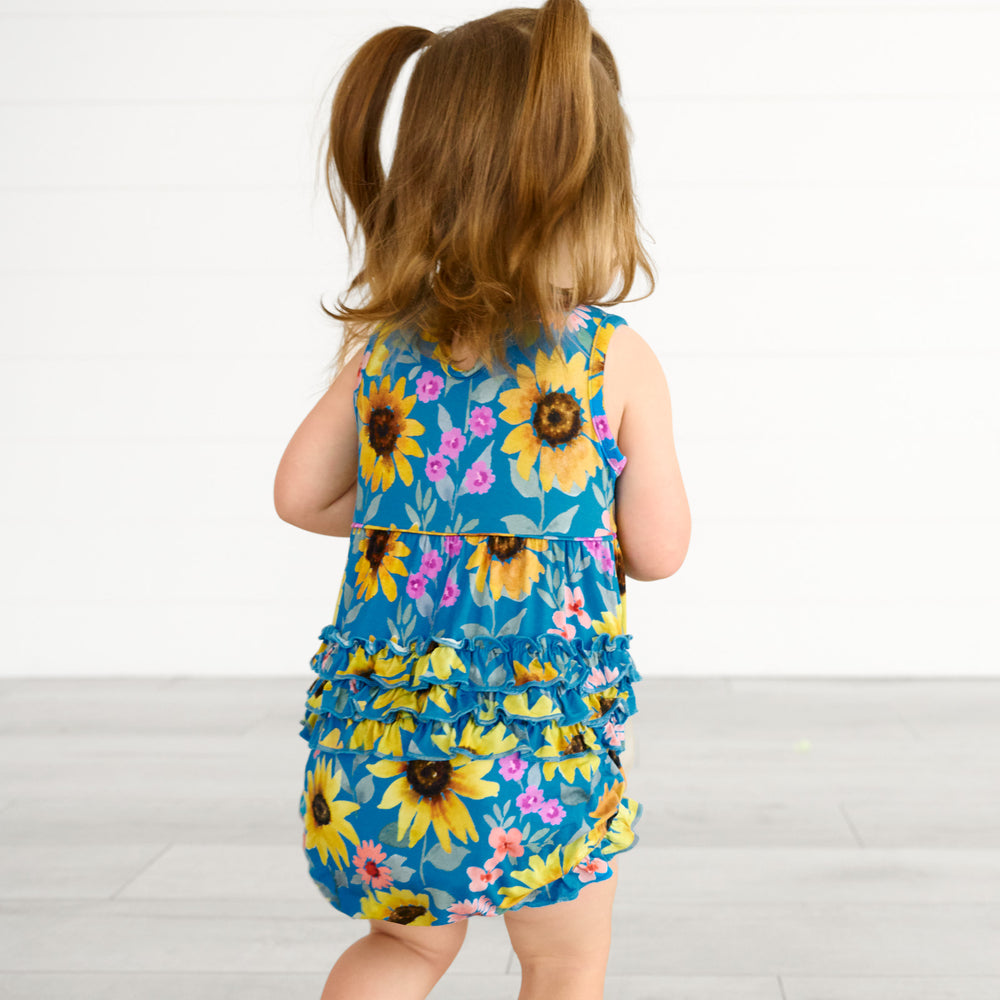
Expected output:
{"points": [[512, 144]]}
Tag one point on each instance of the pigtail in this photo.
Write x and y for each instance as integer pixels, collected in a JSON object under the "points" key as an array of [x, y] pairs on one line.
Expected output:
{"points": [[554, 139], [356, 121]]}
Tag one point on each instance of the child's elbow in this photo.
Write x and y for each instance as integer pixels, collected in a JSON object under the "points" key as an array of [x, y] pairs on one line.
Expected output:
{"points": [[658, 559], [647, 569]]}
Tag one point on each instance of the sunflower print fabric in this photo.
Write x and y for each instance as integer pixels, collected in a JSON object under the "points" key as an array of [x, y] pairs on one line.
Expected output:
{"points": [[468, 711]]}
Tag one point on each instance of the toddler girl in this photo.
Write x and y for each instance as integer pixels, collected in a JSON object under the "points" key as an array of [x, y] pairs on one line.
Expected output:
{"points": [[498, 449]]}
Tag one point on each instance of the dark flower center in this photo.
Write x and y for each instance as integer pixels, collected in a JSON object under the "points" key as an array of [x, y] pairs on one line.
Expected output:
{"points": [[378, 541], [383, 429], [371, 868], [605, 703], [577, 744], [428, 777], [504, 546], [320, 809], [405, 914], [620, 568], [557, 419]]}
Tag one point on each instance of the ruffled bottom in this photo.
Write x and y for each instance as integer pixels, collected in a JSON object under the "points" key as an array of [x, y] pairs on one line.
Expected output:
{"points": [[487, 697]]}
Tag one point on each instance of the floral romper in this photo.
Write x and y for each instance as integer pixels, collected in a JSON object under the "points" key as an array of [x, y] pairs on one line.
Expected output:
{"points": [[468, 712]]}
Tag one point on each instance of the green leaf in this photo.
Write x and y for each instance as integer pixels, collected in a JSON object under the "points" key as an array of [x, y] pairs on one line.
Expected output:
{"points": [[511, 627], [365, 788], [486, 455], [470, 631], [560, 524], [412, 515], [571, 795], [439, 858], [487, 390], [373, 508], [388, 835], [444, 418], [442, 899], [400, 873], [518, 524], [445, 488], [530, 487], [481, 598]]}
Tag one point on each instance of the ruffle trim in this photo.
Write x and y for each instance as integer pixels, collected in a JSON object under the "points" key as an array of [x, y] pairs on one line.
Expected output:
{"points": [[549, 697], [484, 663]]}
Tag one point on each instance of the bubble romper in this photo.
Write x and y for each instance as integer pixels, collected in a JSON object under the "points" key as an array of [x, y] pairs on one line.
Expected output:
{"points": [[468, 714]]}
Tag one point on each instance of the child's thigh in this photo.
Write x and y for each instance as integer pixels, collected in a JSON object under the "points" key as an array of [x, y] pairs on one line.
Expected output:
{"points": [[577, 931]]}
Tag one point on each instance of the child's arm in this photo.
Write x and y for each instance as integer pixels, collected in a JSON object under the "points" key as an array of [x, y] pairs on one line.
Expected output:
{"points": [[316, 482], [651, 507]]}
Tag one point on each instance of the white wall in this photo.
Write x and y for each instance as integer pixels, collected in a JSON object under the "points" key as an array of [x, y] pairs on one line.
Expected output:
{"points": [[821, 182]]}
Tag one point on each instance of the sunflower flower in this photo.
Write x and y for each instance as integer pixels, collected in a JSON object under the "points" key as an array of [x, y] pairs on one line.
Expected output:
{"points": [[387, 433], [431, 791], [552, 426], [508, 561], [379, 559], [325, 819]]}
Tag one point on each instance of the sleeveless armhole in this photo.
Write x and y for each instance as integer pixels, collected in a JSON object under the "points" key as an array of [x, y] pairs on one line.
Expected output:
{"points": [[606, 326]]}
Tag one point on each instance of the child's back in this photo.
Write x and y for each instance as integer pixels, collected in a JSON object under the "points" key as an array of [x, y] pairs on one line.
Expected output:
{"points": [[474, 684], [468, 717]]}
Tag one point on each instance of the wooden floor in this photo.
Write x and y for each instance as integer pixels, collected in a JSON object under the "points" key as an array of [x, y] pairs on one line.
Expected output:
{"points": [[801, 840]]}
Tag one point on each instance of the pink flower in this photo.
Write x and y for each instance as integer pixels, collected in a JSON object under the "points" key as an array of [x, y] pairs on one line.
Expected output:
{"points": [[606, 521], [512, 766], [437, 466], [452, 544], [504, 843], [601, 551], [616, 465], [573, 605], [602, 678], [614, 733], [431, 563], [486, 907], [450, 594], [480, 878], [462, 910], [577, 318], [429, 386], [481, 421], [564, 628], [601, 426], [551, 812], [452, 442], [415, 585], [587, 868], [366, 861], [530, 799], [479, 478]]}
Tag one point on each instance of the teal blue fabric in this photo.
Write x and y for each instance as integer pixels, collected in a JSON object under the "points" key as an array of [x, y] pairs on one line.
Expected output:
{"points": [[467, 718]]}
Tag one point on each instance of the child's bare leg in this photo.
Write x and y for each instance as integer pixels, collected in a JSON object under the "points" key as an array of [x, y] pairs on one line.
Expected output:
{"points": [[563, 948], [395, 961]]}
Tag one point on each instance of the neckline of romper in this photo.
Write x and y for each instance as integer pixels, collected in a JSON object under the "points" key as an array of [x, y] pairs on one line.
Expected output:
{"points": [[454, 369]]}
